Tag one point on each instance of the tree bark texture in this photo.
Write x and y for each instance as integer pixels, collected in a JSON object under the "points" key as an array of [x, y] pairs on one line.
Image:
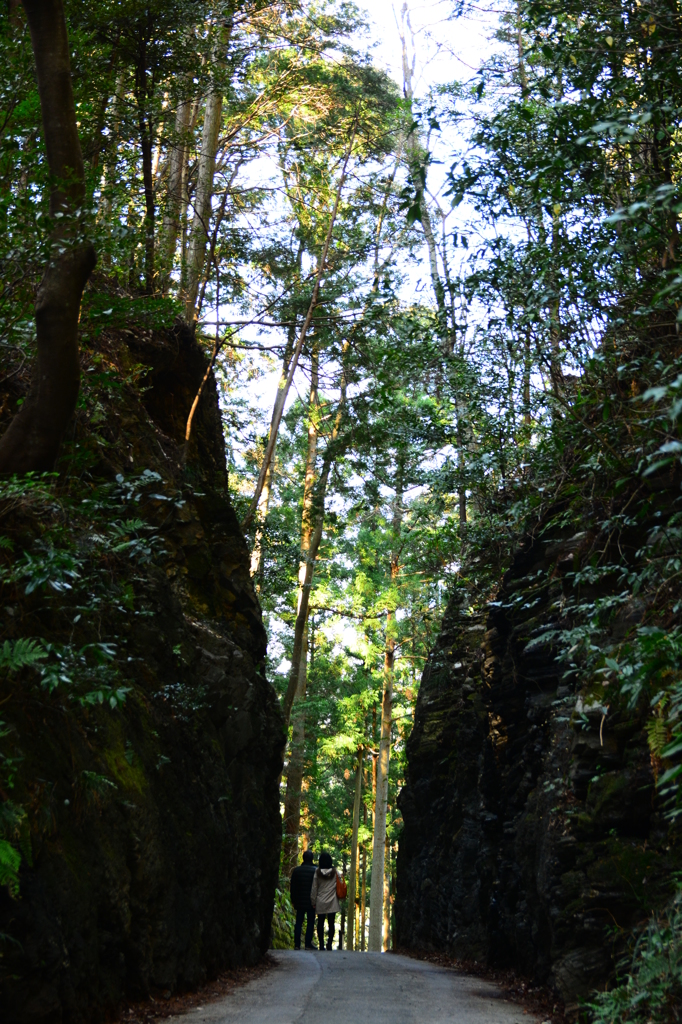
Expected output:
{"points": [[376, 893], [363, 897], [353, 880], [292, 802], [376, 896], [292, 799], [32, 440], [264, 499], [387, 894], [202, 202], [177, 160], [313, 539]]}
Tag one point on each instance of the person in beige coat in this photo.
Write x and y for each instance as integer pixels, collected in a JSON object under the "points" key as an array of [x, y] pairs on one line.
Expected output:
{"points": [[324, 899]]}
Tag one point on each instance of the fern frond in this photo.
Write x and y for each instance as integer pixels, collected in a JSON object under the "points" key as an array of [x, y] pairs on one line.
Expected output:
{"points": [[16, 654]]}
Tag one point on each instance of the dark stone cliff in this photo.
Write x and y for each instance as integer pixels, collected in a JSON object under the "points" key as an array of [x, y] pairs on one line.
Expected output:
{"points": [[532, 835], [149, 833]]}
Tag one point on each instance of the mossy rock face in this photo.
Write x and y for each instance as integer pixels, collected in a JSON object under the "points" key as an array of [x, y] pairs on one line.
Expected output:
{"points": [[532, 835], [152, 832]]}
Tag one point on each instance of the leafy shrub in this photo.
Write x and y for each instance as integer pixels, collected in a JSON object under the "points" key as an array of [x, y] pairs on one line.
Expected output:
{"points": [[652, 990]]}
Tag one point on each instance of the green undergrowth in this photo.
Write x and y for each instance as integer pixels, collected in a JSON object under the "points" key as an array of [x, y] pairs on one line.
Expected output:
{"points": [[75, 558], [283, 919], [650, 982]]}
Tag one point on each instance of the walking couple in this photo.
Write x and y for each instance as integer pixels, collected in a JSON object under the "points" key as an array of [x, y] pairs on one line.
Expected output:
{"points": [[315, 890]]}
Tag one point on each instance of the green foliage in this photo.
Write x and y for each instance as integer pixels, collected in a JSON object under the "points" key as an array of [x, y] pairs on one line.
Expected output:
{"points": [[283, 919], [20, 653], [10, 859], [650, 989]]}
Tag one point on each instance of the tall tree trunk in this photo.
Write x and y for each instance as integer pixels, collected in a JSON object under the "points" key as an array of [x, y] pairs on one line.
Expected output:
{"points": [[109, 165], [202, 202], [283, 390], [387, 894], [352, 887], [177, 161], [203, 195], [264, 499], [414, 152], [376, 895], [307, 563], [146, 131], [292, 799], [363, 897], [32, 440], [261, 516]]}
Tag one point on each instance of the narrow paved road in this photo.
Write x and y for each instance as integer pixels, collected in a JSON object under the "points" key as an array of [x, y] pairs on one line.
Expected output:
{"points": [[349, 988]]}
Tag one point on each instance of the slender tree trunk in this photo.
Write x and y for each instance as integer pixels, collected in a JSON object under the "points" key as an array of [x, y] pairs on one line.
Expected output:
{"points": [[177, 161], [203, 195], [375, 754], [307, 563], [379, 843], [555, 323], [264, 500], [387, 894], [376, 894], [292, 799], [354, 851], [261, 516], [415, 160], [184, 192], [149, 206], [32, 440], [105, 205], [283, 390], [363, 897], [202, 202], [292, 802], [527, 367]]}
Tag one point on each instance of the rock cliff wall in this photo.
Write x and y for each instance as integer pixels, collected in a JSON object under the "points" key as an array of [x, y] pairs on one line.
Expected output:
{"points": [[149, 833], [533, 838]]}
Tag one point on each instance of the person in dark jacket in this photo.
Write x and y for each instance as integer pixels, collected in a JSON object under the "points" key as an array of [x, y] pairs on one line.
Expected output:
{"points": [[299, 888]]}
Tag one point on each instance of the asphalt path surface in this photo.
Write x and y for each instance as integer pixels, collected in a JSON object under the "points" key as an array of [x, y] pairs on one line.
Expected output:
{"points": [[339, 987]]}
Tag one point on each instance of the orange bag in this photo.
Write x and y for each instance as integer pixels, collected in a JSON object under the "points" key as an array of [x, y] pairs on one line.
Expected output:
{"points": [[341, 887]]}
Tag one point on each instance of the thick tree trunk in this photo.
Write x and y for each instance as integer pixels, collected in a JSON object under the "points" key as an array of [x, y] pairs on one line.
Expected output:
{"points": [[32, 440], [353, 881]]}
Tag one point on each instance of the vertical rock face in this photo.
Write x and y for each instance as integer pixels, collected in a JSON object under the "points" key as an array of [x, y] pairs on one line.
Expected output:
{"points": [[150, 834], [532, 838]]}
